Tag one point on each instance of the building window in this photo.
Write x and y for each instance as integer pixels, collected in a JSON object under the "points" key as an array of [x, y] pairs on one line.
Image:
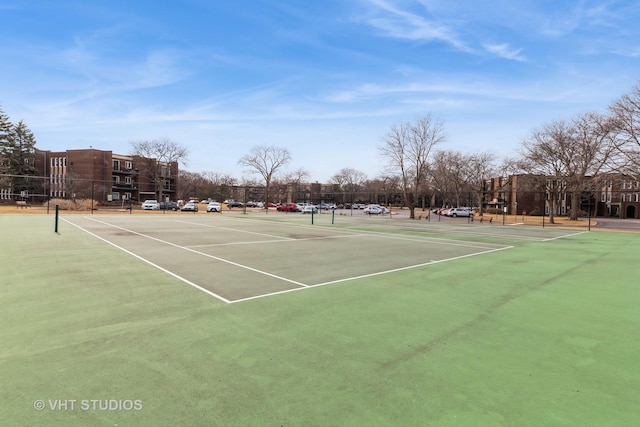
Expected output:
{"points": [[603, 197], [127, 196], [127, 180], [635, 197], [116, 164], [128, 165], [116, 179], [115, 196]]}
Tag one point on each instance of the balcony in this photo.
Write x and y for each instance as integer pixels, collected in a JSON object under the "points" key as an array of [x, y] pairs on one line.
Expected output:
{"points": [[122, 186], [125, 171]]}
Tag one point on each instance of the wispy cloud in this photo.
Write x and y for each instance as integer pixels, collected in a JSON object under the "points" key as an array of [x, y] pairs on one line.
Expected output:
{"points": [[398, 23], [505, 51]]}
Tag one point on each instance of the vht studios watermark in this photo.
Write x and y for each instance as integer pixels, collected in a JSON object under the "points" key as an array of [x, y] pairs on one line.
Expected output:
{"points": [[88, 405]]}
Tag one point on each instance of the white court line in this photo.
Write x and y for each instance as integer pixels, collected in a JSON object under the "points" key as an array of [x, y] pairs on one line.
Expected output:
{"points": [[379, 273], [467, 231], [566, 235], [188, 282], [284, 224], [255, 270], [256, 242], [302, 286], [425, 239], [235, 229]]}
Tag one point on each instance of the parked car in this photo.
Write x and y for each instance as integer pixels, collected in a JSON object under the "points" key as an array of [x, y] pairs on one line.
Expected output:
{"points": [[214, 207], [375, 210], [150, 205], [454, 212], [288, 207], [168, 206], [233, 204], [309, 209], [190, 207], [326, 206]]}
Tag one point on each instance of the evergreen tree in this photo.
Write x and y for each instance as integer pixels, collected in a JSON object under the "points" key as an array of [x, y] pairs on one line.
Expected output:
{"points": [[5, 147], [23, 157], [17, 157], [5, 155]]}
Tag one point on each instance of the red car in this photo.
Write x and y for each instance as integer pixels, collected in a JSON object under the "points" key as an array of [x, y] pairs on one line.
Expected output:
{"points": [[288, 207]]}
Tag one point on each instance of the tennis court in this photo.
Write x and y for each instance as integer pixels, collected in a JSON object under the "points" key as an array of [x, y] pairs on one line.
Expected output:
{"points": [[235, 258], [224, 320]]}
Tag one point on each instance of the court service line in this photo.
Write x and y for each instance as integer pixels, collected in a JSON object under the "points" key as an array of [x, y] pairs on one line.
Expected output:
{"points": [[235, 229], [467, 231], [373, 233], [293, 224], [566, 235], [164, 270], [379, 273], [256, 242], [246, 267]]}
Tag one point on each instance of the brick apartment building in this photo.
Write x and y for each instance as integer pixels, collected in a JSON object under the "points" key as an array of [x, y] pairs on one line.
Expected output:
{"points": [[104, 176], [613, 195]]}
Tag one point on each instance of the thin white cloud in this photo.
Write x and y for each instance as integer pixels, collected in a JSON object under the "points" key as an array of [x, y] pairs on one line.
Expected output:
{"points": [[398, 23], [505, 51]]}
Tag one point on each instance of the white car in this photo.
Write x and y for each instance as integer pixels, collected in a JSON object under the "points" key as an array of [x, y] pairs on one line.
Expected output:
{"points": [[214, 207], [455, 212], [375, 210], [150, 205], [309, 209]]}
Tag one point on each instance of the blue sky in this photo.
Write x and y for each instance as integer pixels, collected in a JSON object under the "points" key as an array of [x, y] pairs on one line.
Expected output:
{"points": [[325, 79]]}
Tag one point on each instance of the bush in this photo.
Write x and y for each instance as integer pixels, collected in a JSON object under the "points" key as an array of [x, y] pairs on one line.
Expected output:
{"points": [[494, 211], [535, 212], [74, 205]]}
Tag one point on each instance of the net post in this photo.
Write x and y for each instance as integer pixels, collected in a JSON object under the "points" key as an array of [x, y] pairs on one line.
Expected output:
{"points": [[56, 225]]}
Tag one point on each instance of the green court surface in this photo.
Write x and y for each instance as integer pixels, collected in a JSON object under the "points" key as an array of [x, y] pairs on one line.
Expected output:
{"points": [[236, 320]]}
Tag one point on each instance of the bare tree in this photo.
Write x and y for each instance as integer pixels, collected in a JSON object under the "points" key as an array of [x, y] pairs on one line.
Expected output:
{"points": [[450, 171], [159, 158], [478, 168], [390, 186], [539, 155], [291, 184], [566, 154], [190, 184], [350, 182], [266, 161], [626, 116], [407, 148], [220, 184]]}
